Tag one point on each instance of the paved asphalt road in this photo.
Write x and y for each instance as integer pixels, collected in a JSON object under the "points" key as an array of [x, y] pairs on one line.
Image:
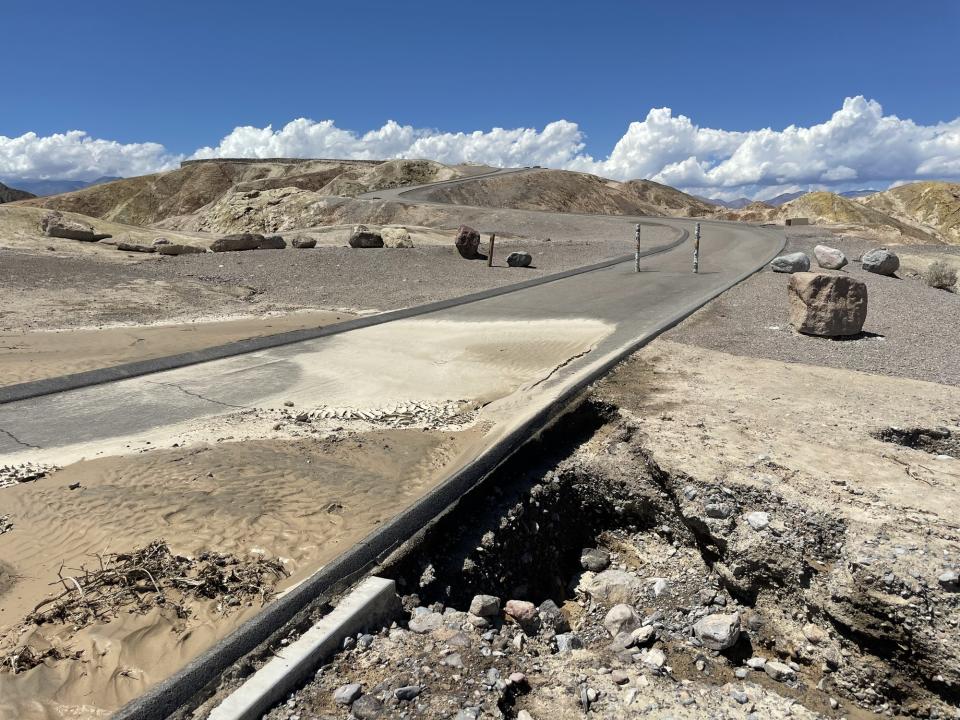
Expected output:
{"points": [[636, 304]]}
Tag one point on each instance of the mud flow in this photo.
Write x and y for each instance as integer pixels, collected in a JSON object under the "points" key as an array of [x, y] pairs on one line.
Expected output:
{"points": [[741, 601]]}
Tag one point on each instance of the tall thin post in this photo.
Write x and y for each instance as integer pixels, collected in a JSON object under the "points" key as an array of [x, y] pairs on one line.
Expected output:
{"points": [[493, 239], [636, 256], [696, 251]]}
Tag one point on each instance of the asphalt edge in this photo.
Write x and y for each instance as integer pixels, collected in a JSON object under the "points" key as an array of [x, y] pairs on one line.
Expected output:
{"points": [[125, 371], [165, 698]]}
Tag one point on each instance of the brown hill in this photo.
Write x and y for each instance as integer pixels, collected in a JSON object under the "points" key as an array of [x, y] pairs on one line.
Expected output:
{"points": [[151, 199], [9, 194], [566, 191], [832, 209], [928, 206]]}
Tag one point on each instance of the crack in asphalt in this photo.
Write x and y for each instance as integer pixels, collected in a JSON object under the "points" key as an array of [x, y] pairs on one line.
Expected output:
{"points": [[197, 395], [560, 367], [18, 441]]}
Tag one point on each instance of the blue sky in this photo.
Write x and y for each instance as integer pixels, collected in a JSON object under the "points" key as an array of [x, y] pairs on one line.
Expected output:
{"points": [[184, 75]]}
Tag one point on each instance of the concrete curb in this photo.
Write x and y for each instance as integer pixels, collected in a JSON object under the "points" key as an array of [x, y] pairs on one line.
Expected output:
{"points": [[163, 699], [63, 383], [373, 603]]}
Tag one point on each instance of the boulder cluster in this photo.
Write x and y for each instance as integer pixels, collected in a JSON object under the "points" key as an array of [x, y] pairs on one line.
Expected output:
{"points": [[829, 305]]}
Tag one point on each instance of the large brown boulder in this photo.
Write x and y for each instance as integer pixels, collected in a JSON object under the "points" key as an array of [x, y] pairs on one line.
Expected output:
{"points": [[827, 305], [53, 224], [173, 249], [240, 241], [468, 242]]}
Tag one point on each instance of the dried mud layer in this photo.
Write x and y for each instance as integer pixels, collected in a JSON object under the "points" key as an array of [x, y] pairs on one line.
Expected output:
{"points": [[707, 536]]}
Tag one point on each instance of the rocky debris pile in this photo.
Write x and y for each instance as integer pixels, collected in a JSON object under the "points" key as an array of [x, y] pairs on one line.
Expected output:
{"points": [[364, 237], [791, 263], [11, 475], [468, 242], [53, 224], [400, 415], [519, 259], [880, 261], [829, 258], [827, 305]]}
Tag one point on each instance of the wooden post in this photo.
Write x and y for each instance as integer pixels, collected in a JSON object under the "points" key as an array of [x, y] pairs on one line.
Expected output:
{"points": [[696, 251], [493, 239], [636, 256]]}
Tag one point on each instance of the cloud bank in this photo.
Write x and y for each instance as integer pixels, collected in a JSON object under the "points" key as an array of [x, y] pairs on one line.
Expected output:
{"points": [[858, 146]]}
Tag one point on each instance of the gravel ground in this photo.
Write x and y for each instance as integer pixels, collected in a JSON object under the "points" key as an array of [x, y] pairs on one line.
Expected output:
{"points": [[383, 279], [911, 330]]}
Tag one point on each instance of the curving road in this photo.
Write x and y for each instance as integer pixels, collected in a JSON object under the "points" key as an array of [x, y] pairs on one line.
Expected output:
{"points": [[103, 417]]}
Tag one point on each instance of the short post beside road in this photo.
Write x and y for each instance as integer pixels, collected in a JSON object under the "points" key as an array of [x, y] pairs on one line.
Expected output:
{"points": [[636, 255], [493, 239], [696, 251]]}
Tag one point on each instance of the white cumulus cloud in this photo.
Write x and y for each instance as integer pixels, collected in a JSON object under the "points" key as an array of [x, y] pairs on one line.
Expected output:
{"points": [[74, 155], [857, 146]]}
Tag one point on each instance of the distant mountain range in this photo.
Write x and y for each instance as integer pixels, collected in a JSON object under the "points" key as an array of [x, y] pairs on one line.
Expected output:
{"points": [[42, 188], [778, 200]]}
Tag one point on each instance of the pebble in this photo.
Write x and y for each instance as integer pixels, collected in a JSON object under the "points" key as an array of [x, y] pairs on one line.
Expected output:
{"points": [[594, 559], [740, 697], [654, 658], [758, 520], [407, 692], [485, 606], [619, 677], [779, 671], [757, 663], [346, 694]]}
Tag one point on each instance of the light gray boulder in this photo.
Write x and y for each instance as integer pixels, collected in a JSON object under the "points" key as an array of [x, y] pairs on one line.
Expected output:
{"points": [[829, 258], [621, 618], [791, 263], [880, 261], [718, 631]]}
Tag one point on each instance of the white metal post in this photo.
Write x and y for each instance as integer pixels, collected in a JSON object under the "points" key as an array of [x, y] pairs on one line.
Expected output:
{"points": [[696, 251], [636, 256]]}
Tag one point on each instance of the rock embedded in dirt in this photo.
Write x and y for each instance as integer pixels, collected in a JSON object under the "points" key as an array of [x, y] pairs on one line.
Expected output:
{"points": [[55, 225], [237, 242], [827, 305], [778, 671], [135, 247], [551, 616], [303, 243], [161, 241], [950, 580], [621, 618], [346, 694], [365, 238], [718, 631], [468, 242], [179, 249], [654, 658], [519, 259], [758, 520], [594, 559], [611, 587], [829, 258], [272, 242], [407, 692], [880, 261], [568, 642], [367, 707], [791, 263], [522, 611], [424, 621], [814, 633], [485, 606]]}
